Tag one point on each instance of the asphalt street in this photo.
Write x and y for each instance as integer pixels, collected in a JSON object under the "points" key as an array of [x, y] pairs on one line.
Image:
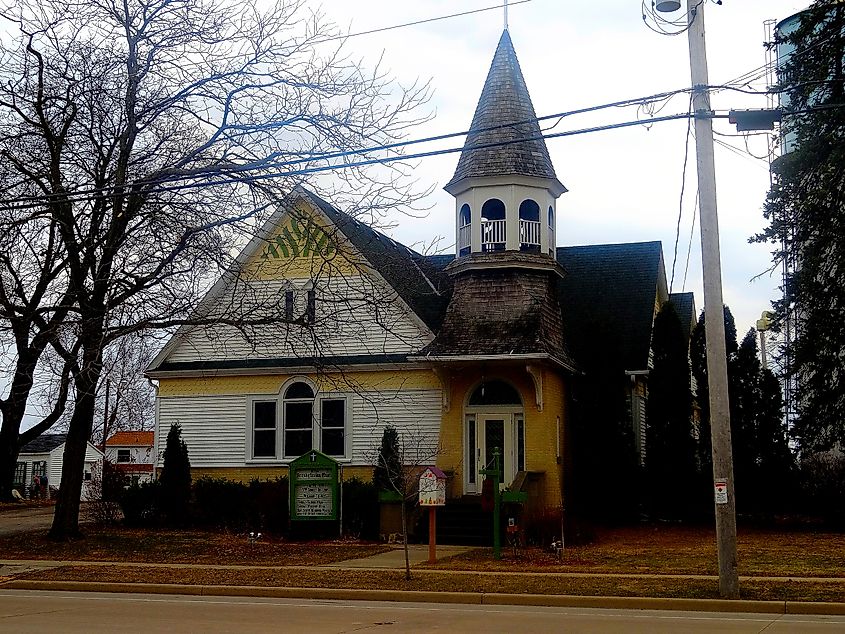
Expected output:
{"points": [[35, 611]]}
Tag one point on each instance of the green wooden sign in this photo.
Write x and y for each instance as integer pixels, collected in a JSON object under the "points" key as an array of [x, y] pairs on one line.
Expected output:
{"points": [[314, 487]]}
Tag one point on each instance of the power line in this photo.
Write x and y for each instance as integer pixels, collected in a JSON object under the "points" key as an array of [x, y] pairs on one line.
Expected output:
{"points": [[417, 22], [384, 161], [346, 153], [683, 188]]}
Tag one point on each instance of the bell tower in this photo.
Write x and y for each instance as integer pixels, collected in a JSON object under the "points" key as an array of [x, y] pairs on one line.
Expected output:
{"points": [[505, 186]]}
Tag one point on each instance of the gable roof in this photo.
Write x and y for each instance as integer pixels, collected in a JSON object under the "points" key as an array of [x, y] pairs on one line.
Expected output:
{"points": [[504, 115], [418, 279], [608, 298], [131, 438], [419, 282], [684, 304], [44, 443]]}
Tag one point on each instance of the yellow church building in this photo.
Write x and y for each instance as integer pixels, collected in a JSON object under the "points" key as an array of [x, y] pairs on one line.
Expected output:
{"points": [[326, 330]]}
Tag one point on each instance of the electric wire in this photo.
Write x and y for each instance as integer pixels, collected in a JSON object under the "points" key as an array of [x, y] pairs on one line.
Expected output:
{"points": [[100, 192], [416, 22], [683, 189], [363, 163], [695, 213]]}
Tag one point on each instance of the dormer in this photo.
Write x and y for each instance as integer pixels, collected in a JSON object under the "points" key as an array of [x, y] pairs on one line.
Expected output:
{"points": [[505, 186]]}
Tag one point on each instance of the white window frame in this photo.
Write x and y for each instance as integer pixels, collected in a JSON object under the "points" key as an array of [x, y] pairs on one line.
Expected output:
{"points": [[281, 426], [128, 454]]}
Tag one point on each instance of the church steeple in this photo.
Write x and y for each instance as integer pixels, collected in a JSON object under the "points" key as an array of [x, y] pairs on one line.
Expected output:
{"points": [[505, 185]]}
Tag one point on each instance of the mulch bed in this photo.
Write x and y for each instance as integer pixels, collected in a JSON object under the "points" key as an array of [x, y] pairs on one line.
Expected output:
{"points": [[121, 544]]}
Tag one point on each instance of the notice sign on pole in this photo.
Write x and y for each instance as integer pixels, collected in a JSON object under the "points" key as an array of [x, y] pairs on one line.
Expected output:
{"points": [[721, 490], [432, 487]]}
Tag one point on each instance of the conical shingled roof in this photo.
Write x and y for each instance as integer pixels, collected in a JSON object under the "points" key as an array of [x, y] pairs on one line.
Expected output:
{"points": [[504, 100]]}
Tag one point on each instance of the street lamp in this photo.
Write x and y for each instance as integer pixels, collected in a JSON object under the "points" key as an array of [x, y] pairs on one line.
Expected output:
{"points": [[717, 370]]}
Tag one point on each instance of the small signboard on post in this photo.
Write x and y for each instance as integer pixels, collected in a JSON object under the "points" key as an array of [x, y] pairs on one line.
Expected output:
{"points": [[313, 487], [432, 487], [432, 494]]}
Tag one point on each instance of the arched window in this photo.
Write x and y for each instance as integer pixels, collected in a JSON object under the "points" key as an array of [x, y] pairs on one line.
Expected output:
{"points": [[551, 218], [495, 392], [465, 216], [493, 228], [298, 419], [464, 230], [529, 210], [493, 209]]}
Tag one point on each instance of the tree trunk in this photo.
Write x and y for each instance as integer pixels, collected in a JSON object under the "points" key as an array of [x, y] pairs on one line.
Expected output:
{"points": [[12, 410], [66, 518]]}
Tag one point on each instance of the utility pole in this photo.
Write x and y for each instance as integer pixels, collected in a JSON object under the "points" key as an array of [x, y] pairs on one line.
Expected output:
{"points": [[717, 370]]}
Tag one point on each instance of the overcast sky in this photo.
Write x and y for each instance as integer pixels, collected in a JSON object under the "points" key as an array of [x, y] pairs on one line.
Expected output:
{"points": [[624, 185]]}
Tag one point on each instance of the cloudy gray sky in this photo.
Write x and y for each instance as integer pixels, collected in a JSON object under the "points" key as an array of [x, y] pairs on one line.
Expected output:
{"points": [[624, 185]]}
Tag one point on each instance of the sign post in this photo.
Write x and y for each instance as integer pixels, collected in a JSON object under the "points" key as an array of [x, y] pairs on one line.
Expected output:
{"points": [[496, 474], [432, 494], [314, 487]]}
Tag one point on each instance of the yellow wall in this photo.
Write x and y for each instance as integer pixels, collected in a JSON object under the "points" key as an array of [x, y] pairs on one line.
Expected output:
{"points": [[246, 474], [272, 383], [540, 427]]}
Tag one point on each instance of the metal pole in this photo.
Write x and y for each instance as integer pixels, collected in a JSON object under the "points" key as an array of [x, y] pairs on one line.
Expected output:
{"points": [[763, 358], [717, 373]]}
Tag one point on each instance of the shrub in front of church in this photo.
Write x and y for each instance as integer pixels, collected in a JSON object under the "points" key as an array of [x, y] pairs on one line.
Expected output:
{"points": [[140, 504], [233, 505], [360, 509]]}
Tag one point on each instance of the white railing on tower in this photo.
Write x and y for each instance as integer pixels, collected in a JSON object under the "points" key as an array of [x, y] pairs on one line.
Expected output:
{"points": [[464, 236], [529, 232], [493, 232]]}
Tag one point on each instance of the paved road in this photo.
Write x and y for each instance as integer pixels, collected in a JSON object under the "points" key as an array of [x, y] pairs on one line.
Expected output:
{"points": [[28, 519], [31, 611]]}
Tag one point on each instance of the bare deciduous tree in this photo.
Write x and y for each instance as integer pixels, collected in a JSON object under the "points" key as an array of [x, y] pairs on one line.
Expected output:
{"points": [[151, 136]]}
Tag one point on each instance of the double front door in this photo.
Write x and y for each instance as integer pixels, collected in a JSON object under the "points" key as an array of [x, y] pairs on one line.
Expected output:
{"points": [[486, 432]]}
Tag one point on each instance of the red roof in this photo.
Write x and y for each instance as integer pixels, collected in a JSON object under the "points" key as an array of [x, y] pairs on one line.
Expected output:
{"points": [[131, 438]]}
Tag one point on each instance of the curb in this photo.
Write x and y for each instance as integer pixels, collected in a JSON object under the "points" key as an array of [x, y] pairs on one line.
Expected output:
{"points": [[418, 596]]}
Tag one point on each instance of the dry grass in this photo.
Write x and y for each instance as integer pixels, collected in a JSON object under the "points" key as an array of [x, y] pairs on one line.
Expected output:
{"points": [[394, 580], [180, 546], [676, 550]]}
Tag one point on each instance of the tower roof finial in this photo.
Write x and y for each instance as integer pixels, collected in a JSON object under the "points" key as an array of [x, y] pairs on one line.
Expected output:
{"points": [[506, 15]]}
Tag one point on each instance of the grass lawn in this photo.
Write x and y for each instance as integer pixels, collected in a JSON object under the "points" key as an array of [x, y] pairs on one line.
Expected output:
{"points": [[110, 543], [666, 549], [641, 549]]}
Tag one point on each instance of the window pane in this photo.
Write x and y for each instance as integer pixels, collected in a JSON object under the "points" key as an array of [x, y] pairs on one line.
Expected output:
{"points": [[289, 305], [298, 416], [311, 308], [264, 415], [123, 455], [299, 390], [264, 443], [333, 444], [297, 443], [471, 450], [334, 411]]}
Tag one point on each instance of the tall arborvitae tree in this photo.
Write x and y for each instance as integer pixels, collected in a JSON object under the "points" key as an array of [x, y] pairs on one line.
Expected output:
{"points": [[698, 357], [670, 447], [744, 401], [806, 214], [175, 478]]}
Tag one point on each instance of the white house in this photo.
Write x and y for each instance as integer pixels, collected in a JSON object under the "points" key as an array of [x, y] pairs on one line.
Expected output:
{"points": [[42, 457], [131, 453]]}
